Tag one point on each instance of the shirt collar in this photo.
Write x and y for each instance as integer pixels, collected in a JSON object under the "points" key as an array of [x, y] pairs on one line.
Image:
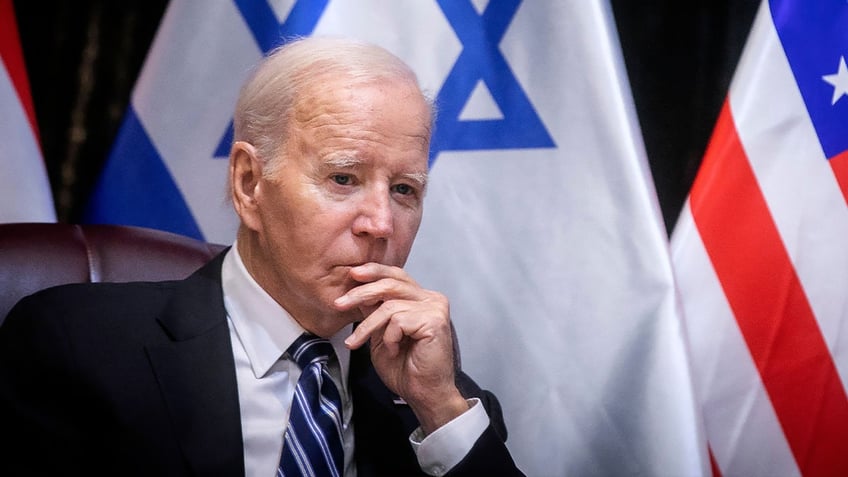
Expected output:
{"points": [[265, 328]]}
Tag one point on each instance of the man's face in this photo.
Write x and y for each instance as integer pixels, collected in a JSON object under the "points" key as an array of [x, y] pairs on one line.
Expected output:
{"points": [[349, 191]]}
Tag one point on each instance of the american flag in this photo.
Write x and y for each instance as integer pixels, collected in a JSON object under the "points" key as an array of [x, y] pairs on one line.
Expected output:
{"points": [[760, 253]]}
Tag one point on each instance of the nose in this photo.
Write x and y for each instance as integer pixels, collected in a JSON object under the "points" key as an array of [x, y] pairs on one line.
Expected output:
{"points": [[375, 217]]}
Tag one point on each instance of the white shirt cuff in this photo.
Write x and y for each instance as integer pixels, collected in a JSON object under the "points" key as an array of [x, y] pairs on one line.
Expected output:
{"points": [[448, 445]]}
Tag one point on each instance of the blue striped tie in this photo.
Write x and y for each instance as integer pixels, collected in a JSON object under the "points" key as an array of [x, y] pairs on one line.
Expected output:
{"points": [[312, 445]]}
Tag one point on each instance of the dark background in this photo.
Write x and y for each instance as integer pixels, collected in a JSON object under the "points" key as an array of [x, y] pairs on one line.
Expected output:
{"points": [[83, 57]]}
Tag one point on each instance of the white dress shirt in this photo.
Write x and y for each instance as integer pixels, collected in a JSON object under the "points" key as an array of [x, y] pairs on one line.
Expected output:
{"points": [[260, 332]]}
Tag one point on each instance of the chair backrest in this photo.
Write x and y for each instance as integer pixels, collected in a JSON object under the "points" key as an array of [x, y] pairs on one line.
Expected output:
{"points": [[38, 256]]}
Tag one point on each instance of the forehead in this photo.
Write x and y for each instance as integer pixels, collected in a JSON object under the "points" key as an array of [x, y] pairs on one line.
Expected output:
{"points": [[368, 120], [335, 98]]}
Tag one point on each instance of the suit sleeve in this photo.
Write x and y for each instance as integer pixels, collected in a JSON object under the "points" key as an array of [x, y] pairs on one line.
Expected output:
{"points": [[489, 455], [40, 406]]}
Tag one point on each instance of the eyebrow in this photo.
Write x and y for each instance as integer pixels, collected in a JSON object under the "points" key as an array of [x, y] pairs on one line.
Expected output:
{"points": [[343, 162], [418, 177]]}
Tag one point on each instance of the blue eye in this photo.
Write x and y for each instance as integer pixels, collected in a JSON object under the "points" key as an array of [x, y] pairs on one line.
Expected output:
{"points": [[403, 189], [341, 179]]}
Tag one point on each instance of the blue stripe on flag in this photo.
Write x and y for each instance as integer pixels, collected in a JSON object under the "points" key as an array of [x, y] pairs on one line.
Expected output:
{"points": [[814, 34], [136, 188]]}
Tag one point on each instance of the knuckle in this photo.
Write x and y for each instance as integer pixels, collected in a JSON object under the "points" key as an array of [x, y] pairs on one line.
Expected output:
{"points": [[439, 300]]}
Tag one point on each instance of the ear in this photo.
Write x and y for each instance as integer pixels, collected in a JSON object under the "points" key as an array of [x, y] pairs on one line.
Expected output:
{"points": [[245, 175]]}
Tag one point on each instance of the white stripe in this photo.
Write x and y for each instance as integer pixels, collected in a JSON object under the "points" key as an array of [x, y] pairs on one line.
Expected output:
{"points": [[306, 345], [300, 456], [314, 428], [24, 190], [329, 407], [298, 452], [332, 411], [742, 428]]}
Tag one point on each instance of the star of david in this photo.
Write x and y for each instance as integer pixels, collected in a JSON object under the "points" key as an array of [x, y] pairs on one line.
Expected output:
{"points": [[482, 61], [269, 33]]}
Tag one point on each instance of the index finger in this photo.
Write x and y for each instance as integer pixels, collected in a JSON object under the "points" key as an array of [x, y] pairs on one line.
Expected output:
{"points": [[379, 283], [376, 292], [372, 271]]}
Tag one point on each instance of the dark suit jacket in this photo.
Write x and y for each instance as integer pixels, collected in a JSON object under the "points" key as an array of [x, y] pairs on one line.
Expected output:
{"points": [[139, 379]]}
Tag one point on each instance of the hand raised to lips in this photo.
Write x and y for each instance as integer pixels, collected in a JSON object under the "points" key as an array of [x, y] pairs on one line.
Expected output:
{"points": [[411, 343]]}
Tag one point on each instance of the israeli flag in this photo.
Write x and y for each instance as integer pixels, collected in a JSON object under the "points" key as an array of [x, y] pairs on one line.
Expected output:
{"points": [[541, 223]]}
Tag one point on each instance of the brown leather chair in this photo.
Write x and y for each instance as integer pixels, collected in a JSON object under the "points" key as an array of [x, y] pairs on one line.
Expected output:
{"points": [[38, 256]]}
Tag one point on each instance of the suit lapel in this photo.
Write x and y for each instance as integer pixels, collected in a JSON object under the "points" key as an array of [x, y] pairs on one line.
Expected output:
{"points": [[196, 375]]}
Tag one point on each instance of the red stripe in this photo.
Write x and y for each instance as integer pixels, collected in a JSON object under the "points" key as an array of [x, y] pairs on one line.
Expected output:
{"points": [[839, 164], [13, 58], [770, 305], [714, 465]]}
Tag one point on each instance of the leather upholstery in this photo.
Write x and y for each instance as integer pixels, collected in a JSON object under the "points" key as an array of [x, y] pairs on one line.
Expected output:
{"points": [[40, 255]]}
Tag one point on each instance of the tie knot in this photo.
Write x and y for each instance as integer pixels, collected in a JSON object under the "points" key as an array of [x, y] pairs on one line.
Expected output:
{"points": [[308, 348]]}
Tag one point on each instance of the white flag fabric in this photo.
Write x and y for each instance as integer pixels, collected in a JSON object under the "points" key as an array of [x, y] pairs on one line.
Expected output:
{"points": [[760, 252], [24, 189], [541, 224]]}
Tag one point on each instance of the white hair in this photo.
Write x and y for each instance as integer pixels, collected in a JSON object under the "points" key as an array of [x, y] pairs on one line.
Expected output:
{"points": [[269, 96]]}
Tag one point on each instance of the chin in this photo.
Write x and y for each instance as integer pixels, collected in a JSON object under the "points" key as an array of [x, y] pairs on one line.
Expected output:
{"points": [[351, 316], [338, 320]]}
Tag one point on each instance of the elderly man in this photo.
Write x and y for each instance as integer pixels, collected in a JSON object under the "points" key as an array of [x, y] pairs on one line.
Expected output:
{"points": [[305, 349]]}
